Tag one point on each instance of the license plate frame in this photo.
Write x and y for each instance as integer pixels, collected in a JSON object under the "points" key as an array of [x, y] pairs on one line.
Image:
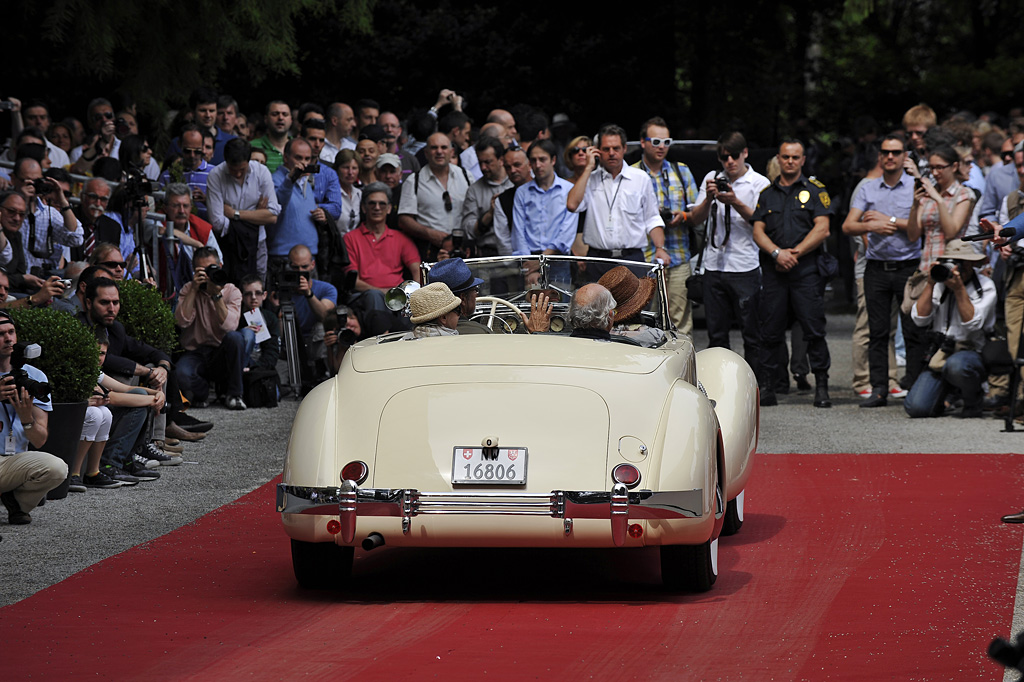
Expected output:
{"points": [[474, 457]]}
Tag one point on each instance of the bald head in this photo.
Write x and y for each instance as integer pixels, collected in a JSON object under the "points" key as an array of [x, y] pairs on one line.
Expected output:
{"points": [[439, 150], [504, 118], [591, 308]]}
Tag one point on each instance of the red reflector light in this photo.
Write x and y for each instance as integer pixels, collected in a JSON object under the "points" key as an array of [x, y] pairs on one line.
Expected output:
{"points": [[635, 530], [626, 474], [355, 471], [334, 526]]}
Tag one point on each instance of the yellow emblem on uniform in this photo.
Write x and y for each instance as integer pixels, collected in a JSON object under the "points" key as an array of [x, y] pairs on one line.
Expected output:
{"points": [[825, 201], [804, 196]]}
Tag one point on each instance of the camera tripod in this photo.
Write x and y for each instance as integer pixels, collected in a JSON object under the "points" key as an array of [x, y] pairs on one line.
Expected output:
{"points": [[290, 338]]}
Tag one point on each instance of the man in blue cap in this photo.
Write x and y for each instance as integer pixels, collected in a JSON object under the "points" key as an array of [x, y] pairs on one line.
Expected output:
{"points": [[459, 278]]}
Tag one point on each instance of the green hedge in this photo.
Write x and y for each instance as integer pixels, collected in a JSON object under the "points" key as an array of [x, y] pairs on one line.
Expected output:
{"points": [[147, 317], [70, 356]]}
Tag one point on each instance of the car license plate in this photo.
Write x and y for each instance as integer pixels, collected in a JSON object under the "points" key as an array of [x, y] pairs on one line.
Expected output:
{"points": [[481, 466]]}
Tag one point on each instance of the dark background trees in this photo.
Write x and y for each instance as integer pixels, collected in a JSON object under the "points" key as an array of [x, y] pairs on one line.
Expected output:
{"points": [[770, 68]]}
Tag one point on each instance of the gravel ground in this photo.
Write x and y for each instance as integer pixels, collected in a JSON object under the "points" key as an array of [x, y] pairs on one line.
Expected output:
{"points": [[246, 449]]}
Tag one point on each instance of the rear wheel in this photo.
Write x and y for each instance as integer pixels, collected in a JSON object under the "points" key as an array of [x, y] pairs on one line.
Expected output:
{"points": [[693, 568], [321, 565], [733, 516]]}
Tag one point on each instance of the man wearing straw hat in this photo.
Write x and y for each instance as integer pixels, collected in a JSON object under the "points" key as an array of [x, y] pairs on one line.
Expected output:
{"points": [[435, 311]]}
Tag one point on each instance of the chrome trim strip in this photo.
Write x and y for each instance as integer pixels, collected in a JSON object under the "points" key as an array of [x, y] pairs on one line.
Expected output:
{"points": [[350, 501]]}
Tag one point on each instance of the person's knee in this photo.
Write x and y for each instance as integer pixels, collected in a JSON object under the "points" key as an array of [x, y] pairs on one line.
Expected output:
{"points": [[233, 340]]}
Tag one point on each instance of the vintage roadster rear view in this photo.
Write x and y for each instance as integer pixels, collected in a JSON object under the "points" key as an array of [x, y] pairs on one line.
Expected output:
{"points": [[519, 440]]}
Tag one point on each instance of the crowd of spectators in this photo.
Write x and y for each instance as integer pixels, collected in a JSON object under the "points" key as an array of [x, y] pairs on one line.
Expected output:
{"points": [[303, 218]]}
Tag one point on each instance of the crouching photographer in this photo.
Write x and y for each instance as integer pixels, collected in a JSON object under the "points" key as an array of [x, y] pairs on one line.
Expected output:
{"points": [[344, 326], [26, 474], [958, 304], [305, 301]]}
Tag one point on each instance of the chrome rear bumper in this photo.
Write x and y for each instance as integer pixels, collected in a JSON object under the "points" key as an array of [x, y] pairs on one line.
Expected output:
{"points": [[619, 505]]}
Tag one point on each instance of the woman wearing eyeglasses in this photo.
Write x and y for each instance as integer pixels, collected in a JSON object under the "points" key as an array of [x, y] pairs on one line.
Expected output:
{"points": [[941, 208]]}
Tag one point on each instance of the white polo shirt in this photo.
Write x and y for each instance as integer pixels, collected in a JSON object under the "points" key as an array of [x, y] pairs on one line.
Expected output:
{"points": [[621, 211], [428, 203]]}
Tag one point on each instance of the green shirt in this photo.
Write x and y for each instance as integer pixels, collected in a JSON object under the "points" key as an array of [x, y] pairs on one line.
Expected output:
{"points": [[274, 157]]}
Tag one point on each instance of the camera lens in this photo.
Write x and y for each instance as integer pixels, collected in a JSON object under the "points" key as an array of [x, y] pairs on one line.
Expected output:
{"points": [[940, 272]]}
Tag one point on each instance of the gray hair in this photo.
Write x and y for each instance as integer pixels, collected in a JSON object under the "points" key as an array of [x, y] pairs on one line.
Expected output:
{"points": [[177, 189], [375, 188], [593, 313]]}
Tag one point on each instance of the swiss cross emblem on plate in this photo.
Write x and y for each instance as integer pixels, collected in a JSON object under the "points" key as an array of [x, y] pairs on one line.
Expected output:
{"points": [[513, 455], [467, 453]]}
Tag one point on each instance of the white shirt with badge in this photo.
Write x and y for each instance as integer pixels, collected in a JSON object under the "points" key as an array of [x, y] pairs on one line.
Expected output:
{"points": [[621, 210]]}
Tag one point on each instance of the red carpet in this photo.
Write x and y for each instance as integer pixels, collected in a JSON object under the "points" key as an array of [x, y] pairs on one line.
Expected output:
{"points": [[850, 567]]}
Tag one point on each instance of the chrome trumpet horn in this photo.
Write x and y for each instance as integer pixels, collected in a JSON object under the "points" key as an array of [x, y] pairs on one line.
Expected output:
{"points": [[397, 298]]}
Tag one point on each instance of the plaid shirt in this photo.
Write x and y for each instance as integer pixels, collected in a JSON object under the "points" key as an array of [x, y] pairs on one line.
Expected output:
{"points": [[674, 195], [931, 223]]}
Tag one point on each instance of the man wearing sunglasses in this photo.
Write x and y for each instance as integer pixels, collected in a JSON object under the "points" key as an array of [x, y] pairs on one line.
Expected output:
{"points": [[732, 275], [101, 142], [676, 189], [195, 170], [98, 227], [880, 211]]}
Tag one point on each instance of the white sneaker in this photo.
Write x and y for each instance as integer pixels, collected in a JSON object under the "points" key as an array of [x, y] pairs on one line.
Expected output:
{"points": [[866, 393], [897, 393], [234, 402]]}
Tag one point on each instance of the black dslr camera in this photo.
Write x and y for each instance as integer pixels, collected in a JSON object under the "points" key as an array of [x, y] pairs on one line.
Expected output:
{"points": [[937, 341], [335, 321], [284, 279], [40, 390], [942, 270], [215, 274]]}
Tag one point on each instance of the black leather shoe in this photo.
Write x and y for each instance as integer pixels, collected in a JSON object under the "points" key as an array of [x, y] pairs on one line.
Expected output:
{"points": [[1014, 518], [802, 384], [15, 516], [876, 400], [768, 399], [821, 398], [992, 402], [782, 388]]}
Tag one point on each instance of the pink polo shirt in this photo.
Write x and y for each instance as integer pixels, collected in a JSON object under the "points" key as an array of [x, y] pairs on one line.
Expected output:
{"points": [[379, 262]]}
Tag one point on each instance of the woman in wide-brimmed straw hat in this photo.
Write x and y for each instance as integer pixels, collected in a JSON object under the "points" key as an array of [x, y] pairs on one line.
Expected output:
{"points": [[631, 295], [435, 311]]}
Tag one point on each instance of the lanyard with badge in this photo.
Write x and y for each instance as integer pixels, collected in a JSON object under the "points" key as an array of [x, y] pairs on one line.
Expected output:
{"points": [[609, 226], [8, 428]]}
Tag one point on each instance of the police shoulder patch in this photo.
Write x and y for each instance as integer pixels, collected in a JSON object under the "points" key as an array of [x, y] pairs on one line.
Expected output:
{"points": [[825, 201]]}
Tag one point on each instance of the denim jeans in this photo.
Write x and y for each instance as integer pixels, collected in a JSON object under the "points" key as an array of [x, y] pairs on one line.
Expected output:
{"points": [[963, 370], [224, 363], [126, 432]]}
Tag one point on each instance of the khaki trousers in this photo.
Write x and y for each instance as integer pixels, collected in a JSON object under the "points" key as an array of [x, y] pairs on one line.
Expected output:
{"points": [[31, 475]]}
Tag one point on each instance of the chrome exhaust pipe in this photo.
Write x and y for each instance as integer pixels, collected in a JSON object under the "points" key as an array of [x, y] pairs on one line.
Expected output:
{"points": [[373, 541]]}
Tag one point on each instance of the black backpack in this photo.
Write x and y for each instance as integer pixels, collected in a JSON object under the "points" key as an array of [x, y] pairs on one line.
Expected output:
{"points": [[261, 387]]}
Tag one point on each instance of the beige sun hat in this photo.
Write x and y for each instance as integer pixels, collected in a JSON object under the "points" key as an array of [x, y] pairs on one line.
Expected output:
{"points": [[431, 302], [961, 250]]}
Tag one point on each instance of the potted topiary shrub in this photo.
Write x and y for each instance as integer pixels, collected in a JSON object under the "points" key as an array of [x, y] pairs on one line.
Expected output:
{"points": [[147, 317], [70, 359]]}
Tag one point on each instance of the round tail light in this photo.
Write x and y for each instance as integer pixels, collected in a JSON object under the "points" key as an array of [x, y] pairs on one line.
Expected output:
{"points": [[626, 474], [334, 526], [355, 471]]}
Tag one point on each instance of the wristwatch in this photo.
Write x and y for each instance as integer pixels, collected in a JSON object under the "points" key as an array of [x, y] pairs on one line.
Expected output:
{"points": [[775, 254], [216, 297], [238, 214], [892, 220]]}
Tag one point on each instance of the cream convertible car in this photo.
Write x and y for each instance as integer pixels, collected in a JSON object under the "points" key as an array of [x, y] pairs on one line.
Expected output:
{"points": [[513, 439]]}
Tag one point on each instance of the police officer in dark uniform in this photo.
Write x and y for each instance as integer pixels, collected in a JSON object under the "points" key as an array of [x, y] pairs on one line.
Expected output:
{"points": [[791, 222]]}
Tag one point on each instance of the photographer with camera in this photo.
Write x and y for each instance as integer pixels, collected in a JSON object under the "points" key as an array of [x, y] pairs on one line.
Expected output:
{"points": [[48, 226], [102, 142], [309, 203], [208, 311], [295, 283], [958, 304], [26, 475], [732, 275]]}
